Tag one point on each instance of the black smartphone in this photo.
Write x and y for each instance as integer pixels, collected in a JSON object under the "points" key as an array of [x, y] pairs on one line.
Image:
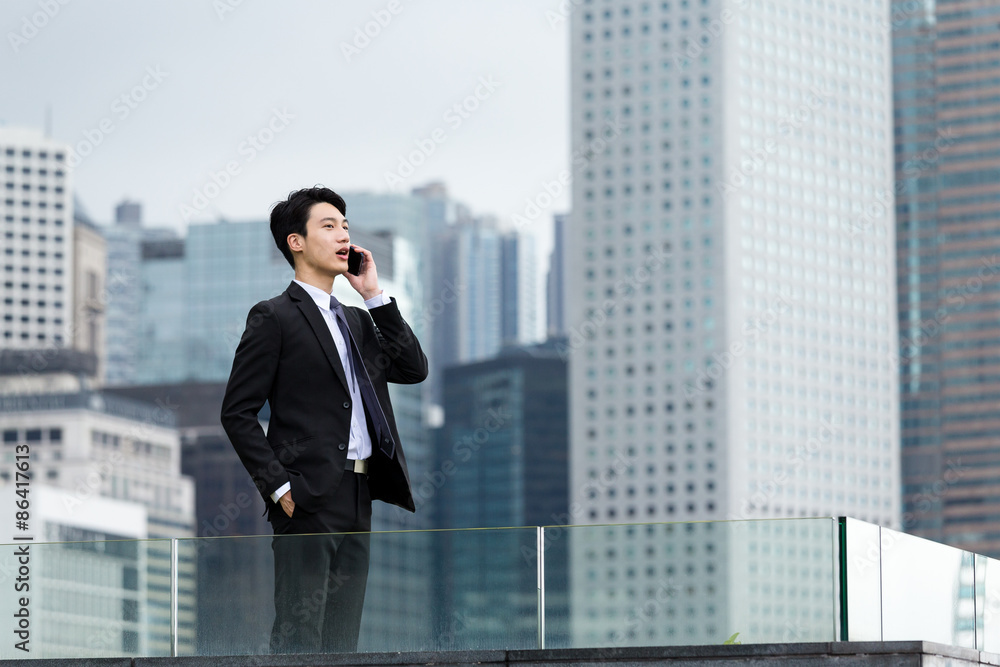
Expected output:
{"points": [[355, 262]]}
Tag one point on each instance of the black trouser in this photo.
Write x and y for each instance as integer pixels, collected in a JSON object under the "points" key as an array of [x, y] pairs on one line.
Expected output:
{"points": [[320, 579]]}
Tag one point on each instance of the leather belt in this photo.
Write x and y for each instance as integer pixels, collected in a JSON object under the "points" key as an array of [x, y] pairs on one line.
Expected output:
{"points": [[359, 466]]}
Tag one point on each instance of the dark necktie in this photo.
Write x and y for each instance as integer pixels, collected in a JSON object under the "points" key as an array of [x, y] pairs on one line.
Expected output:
{"points": [[360, 373]]}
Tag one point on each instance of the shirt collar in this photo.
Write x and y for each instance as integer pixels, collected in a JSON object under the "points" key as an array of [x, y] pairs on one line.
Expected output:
{"points": [[321, 298]]}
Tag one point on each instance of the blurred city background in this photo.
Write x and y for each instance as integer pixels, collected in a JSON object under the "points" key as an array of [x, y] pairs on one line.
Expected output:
{"points": [[671, 261]]}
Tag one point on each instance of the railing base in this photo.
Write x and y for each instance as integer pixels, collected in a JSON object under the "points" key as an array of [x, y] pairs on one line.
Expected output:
{"points": [[820, 654]]}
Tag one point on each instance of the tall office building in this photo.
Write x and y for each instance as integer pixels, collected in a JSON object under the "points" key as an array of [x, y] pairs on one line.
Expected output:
{"points": [[502, 460], [128, 213], [128, 292], [519, 293], [469, 253], [947, 201], [95, 448], [731, 338], [37, 228], [90, 258], [555, 283]]}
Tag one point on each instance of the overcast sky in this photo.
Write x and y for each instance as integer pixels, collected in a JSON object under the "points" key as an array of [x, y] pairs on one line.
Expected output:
{"points": [[183, 85]]}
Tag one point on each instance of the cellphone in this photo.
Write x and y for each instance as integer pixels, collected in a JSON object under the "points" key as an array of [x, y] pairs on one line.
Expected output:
{"points": [[355, 262]]}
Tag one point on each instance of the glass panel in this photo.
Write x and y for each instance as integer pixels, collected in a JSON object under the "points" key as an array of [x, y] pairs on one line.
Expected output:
{"points": [[990, 603], [86, 599], [980, 595], [927, 591], [698, 583], [480, 593], [863, 586], [233, 612]]}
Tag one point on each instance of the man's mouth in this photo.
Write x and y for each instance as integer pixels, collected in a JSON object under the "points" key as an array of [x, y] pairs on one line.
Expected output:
{"points": [[343, 253]]}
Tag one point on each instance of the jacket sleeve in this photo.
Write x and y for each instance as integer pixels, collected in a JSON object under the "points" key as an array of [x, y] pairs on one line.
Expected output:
{"points": [[401, 360], [254, 367]]}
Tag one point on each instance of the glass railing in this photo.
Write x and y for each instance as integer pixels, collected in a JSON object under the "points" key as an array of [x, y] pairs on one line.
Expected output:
{"points": [[900, 587], [602, 586]]}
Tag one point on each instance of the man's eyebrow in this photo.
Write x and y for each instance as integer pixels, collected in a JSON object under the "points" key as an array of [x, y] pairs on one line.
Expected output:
{"points": [[331, 220]]}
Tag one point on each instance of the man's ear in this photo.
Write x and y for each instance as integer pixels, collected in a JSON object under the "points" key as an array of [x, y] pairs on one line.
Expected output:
{"points": [[294, 242]]}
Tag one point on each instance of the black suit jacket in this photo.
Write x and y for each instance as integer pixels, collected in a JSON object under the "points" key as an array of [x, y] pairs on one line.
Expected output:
{"points": [[287, 356]]}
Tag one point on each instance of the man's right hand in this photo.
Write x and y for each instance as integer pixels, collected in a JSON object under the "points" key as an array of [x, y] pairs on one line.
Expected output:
{"points": [[287, 503]]}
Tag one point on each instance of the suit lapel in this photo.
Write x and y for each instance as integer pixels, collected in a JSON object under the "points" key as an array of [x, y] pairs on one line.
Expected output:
{"points": [[318, 324]]}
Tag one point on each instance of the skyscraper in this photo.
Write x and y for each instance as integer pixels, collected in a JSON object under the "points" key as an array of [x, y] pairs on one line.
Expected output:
{"points": [[518, 289], [90, 259], [470, 327], [127, 292], [37, 260], [947, 201], [730, 337], [555, 284], [501, 461]]}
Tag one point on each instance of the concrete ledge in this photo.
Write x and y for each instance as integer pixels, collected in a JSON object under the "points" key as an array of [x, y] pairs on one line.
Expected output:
{"points": [[821, 654], [409, 659], [75, 662]]}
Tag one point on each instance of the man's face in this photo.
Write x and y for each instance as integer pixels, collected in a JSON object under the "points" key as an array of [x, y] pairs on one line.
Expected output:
{"points": [[325, 246]]}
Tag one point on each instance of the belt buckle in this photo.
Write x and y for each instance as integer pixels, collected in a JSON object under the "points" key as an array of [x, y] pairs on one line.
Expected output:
{"points": [[360, 466]]}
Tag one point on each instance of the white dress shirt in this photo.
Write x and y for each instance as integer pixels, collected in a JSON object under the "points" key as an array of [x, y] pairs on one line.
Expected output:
{"points": [[360, 444]]}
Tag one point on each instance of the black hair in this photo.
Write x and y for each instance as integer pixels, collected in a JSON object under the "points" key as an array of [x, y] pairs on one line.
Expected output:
{"points": [[290, 216]]}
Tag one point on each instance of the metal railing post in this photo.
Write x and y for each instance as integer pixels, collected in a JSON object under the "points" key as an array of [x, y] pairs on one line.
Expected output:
{"points": [[173, 597], [540, 550]]}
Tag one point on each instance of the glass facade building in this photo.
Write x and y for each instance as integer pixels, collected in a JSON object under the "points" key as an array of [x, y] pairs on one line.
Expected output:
{"points": [[947, 199], [501, 460]]}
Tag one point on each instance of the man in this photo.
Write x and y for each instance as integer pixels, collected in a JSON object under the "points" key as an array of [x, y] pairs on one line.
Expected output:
{"points": [[331, 446]]}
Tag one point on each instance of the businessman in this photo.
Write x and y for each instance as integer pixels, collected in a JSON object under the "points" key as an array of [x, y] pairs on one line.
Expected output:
{"points": [[331, 446]]}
